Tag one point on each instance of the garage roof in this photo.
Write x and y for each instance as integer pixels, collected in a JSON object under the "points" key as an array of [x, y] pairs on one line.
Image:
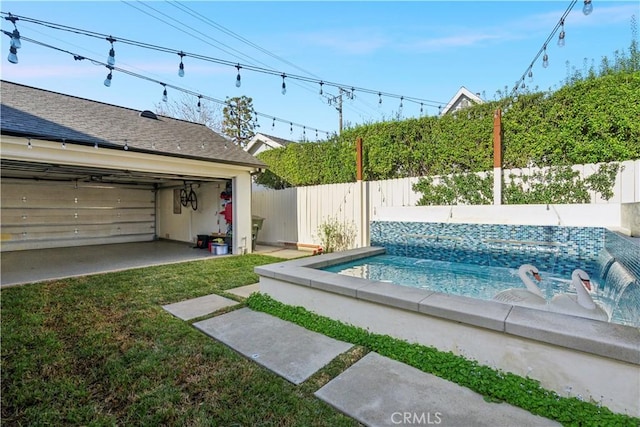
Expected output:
{"points": [[42, 114]]}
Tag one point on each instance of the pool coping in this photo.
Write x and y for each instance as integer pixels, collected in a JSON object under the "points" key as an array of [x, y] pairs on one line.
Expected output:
{"points": [[609, 340]]}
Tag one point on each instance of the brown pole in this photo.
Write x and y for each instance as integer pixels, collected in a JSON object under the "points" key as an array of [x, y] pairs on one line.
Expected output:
{"points": [[497, 139], [359, 159]]}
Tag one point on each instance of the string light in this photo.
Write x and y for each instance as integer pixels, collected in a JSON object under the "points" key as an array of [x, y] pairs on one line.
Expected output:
{"points": [[321, 83], [199, 106], [545, 58], [29, 146], [216, 60], [95, 145], [273, 124], [587, 8], [421, 108], [111, 68], [107, 81], [238, 78], [13, 55], [126, 145], [165, 98], [64, 143], [379, 98], [530, 75], [401, 99], [290, 127], [181, 66], [284, 85], [561, 35], [111, 59]]}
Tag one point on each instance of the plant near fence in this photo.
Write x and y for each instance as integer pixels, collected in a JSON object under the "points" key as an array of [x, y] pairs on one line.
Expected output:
{"points": [[336, 236], [553, 185]]}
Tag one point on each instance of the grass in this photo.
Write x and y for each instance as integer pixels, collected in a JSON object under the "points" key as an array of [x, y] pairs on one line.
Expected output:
{"points": [[100, 350]]}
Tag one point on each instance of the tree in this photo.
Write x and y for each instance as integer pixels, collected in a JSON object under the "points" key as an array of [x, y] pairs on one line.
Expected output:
{"points": [[239, 120], [186, 108]]}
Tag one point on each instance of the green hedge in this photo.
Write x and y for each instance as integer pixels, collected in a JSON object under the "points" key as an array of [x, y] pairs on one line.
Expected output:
{"points": [[589, 120]]}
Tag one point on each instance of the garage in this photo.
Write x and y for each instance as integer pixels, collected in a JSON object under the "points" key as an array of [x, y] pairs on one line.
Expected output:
{"points": [[77, 172]]}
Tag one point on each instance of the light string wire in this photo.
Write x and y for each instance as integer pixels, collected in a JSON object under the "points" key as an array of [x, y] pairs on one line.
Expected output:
{"points": [[543, 49], [144, 45], [111, 68]]}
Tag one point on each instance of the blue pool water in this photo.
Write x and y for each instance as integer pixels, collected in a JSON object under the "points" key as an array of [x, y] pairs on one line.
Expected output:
{"points": [[484, 282]]}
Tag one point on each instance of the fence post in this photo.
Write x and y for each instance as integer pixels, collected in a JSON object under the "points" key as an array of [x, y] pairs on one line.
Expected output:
{"points": [[497, 157], [363, 198]]}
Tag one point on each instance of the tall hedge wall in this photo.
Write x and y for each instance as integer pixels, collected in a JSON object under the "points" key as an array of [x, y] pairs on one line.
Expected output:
{"points": [[589, 120]]}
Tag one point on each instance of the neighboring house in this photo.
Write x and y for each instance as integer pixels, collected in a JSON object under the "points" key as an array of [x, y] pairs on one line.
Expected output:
{"points": [[261, 142], [80, 172], [462, 99]]}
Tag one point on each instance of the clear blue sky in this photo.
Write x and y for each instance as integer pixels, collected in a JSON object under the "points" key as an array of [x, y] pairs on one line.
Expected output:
{"points": [[423, 49]]}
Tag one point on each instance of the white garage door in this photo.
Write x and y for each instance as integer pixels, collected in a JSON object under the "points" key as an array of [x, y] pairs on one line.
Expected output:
{"points": [[40, 214]]}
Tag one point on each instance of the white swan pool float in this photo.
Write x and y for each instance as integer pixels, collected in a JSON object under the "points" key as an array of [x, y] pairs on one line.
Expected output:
{"points": [[579, 304], [529, 297]]}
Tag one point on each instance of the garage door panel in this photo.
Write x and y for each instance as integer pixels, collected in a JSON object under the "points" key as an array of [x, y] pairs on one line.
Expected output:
{"points": [[40, 216], [63, 214]]}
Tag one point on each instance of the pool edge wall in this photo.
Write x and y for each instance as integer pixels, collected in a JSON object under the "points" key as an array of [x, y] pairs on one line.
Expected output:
{"points": [[596, 360]]}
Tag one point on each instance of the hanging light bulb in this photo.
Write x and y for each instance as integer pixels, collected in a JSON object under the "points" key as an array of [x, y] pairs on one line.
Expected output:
{"points": [[64, 144], [290, 127], [304, 133], [181, 66], [284, 85], [530, 75], [545, 58], [29, 146], [379, 98], [316, 134], [95, 145], [107, 81], [13, 55], [199, 106], [321, 83], [165, 98], [238, 78], [401, 98], [273, 124], [561, 35], [522, 86], [587, 8], [421, 108], [126, 145], [15, 39], [111, 59]]}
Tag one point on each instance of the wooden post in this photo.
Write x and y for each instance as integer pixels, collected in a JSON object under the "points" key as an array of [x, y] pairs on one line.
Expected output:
{"points": [[363, 198], [497, 157], [359, 159]]}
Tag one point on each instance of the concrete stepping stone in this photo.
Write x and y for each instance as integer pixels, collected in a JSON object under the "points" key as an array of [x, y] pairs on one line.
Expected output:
{"points": [[244, 291], [196, 307], [378, 391], [289, 350]]}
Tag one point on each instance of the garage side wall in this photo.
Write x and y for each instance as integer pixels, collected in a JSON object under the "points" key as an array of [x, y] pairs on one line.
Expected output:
{"points": [[41, 214], [182, 223]]}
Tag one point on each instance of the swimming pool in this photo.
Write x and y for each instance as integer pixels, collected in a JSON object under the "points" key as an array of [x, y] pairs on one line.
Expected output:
{"points": [[614, 290]]}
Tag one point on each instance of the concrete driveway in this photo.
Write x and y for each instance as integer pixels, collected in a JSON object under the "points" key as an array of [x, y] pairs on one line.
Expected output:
{"points": [[20, 267]]}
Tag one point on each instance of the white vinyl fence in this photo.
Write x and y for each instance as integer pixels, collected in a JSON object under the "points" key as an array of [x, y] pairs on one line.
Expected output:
{"points": [[294, 214]]}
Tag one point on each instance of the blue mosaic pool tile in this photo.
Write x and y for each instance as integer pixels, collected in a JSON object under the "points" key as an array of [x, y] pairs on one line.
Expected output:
{"points": [[624, 250], [557, 249]]}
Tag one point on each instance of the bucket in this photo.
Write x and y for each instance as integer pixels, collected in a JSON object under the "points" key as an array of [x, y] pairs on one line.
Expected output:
{"points": [[219, 249]]}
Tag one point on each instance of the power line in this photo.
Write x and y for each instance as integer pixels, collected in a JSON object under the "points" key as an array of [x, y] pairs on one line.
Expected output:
{"points": [[112, 68], [347, 87]]}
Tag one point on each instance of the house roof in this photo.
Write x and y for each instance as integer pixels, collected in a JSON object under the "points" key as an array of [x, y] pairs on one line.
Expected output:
{"points": [[42, 114], [263, 138], [456, 102]]}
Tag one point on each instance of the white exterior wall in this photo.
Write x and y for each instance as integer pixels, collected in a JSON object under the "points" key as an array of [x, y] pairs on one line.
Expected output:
{"points": [[294, 214]]}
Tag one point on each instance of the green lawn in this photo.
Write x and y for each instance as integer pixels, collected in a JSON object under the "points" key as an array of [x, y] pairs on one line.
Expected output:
{"points": [[100, 350]]}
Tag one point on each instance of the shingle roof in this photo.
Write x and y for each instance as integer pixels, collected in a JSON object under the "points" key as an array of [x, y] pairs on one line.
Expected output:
{"points": [[280, 141], [39, 113]]}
